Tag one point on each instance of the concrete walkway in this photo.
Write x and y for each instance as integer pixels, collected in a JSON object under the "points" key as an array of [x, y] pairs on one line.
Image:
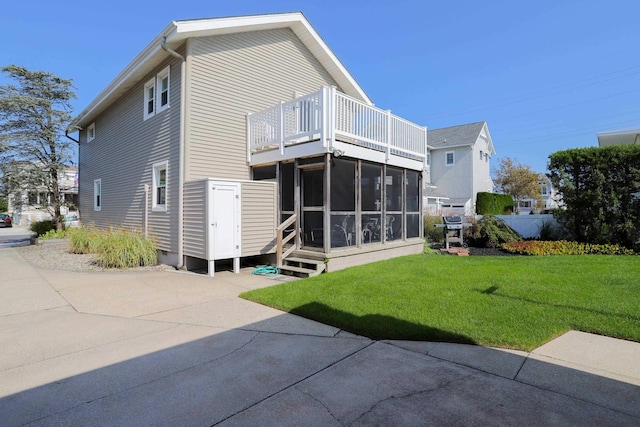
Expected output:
{"points": [[170, 348]]}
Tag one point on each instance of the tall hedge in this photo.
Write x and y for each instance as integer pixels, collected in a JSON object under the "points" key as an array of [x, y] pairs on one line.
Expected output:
{"points": [[600, 187], [493, 204]]}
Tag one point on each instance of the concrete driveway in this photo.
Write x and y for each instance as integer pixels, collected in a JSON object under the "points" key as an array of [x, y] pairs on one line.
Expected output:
{"points": [[170, 348]]}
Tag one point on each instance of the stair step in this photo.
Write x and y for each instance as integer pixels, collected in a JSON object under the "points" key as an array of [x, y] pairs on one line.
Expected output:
{"points": [[308, 272], [304, 260]]}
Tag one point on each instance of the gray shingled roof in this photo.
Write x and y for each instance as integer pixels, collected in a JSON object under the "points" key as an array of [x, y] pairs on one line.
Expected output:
{"points": [[454, 135]]}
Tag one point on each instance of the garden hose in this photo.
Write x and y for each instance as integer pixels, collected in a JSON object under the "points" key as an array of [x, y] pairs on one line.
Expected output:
{"points": [[266, 270]]}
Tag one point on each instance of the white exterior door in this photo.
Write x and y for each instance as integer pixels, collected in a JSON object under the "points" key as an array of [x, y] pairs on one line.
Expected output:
{"points": [[224, 220]]}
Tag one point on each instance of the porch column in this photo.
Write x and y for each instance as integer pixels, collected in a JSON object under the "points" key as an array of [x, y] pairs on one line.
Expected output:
{"points": [[327, 204]]}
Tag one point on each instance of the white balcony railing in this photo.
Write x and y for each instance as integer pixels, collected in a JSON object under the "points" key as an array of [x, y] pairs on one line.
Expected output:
{"points": [[328, 115]]}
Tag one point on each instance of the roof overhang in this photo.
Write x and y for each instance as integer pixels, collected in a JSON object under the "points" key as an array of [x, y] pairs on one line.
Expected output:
{"points": [[618, 137], [177, 32]]}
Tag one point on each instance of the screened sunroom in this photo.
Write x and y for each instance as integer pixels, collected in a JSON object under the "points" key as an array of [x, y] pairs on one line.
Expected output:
{"points": [[345, 203]]}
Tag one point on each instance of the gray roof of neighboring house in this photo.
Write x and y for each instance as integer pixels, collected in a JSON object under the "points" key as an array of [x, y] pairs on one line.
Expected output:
{"points": [[454, 135]]}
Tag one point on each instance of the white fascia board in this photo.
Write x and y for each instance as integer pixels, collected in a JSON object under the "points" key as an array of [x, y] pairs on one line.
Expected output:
{"points": [[489, 140]]}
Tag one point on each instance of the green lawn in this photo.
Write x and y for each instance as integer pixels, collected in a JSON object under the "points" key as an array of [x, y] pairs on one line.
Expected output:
{"points": [[514, 302]]}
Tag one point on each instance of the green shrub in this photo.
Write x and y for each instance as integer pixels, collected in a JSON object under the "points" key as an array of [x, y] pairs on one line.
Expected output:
{"points": [[431, 233], [42, 227], [53, 234], [493, 204], [125, 249], [564, 247], [550, 231], [491, 232]]}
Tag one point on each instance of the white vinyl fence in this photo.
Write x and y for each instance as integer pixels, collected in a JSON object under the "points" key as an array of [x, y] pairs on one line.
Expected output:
{"points": [[528, 226]]}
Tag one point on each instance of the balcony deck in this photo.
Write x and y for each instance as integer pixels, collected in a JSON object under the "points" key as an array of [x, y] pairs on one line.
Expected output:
{"points": [[328, 121]]}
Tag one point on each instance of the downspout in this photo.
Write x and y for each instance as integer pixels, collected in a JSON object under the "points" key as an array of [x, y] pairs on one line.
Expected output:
{"points": [[181, 160], [77, 141]]}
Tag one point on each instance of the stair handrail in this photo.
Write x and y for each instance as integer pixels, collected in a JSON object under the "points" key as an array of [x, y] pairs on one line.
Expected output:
{"points": [[281, 240]]}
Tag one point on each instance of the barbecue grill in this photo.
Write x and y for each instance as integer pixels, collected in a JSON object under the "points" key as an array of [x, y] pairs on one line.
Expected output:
{"points": [[453, 228]]}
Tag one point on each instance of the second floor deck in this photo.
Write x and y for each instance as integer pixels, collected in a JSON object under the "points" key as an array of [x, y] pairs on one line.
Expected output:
{"points": [[328, 121]]}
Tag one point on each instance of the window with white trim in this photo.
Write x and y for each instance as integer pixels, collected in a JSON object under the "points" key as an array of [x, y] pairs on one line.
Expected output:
{"points": [[97, 195], [91, 132], [163, 90], [449, 158], [159, 197], [544, 189], [150, 98], [481, 154]]}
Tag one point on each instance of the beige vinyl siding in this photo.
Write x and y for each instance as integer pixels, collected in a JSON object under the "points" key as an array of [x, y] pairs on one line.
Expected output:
{"points": [[122, 154], [259, 217], [232, 75], [258, 220], [195, 219]]}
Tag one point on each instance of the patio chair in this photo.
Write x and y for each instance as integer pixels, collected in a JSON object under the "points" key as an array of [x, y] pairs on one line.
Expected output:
{"points": [[389, 226]]}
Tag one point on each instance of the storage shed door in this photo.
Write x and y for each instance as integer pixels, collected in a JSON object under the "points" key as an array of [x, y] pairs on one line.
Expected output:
{"points": [[224, 224]]}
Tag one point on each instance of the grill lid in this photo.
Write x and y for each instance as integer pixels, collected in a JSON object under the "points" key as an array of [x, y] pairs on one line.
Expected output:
{"points": [[454, 219]]}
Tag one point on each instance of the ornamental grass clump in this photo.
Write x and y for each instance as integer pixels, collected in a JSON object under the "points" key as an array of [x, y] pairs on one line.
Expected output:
{"points": [[564, 247], [126, 249], [115, 248], [84, 240]]}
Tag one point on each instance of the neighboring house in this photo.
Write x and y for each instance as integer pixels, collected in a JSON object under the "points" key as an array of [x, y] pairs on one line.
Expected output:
{"points": [[619, 137], [221, 129], [34, 203], [550, 200], [459, 167]]}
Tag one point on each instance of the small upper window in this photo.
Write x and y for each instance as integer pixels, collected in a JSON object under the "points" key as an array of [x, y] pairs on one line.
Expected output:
{"points": [[450, 158], [544, 189], [97, 195], [481, 154], [91, 132], [159, 186], [150, 98], [163, 89]]}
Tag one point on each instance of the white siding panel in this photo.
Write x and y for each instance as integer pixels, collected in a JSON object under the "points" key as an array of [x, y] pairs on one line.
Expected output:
{"points": [[195, 219], [232, 75], [259, 217]]}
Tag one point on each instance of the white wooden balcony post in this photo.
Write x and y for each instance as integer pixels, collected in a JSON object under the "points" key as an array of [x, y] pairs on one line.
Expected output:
{"points": [[332, 112], [388, 136], [248, 138], [324, 115], [426, 146], [281, 127]]}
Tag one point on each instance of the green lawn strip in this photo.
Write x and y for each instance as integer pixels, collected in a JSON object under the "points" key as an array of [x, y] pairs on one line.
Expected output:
{"points": [[512, 302]]}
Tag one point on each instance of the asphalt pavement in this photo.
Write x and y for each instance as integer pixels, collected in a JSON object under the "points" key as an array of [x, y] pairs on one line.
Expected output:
{"points": [[174, 348], [15, 236]]}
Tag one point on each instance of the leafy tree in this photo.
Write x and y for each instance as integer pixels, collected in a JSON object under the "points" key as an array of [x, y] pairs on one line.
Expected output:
{"points": [[600, 188], [517, 180], [34, 113]]}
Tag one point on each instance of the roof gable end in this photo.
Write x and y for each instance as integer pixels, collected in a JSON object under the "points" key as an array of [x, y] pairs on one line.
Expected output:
{"points": [[179, 31]]}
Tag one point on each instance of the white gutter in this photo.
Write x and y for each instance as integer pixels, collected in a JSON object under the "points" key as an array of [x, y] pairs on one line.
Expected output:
{"points": [[181, 160]]}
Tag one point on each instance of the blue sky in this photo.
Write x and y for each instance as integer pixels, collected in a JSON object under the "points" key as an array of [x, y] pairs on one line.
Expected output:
{"points": [[545, 75]]}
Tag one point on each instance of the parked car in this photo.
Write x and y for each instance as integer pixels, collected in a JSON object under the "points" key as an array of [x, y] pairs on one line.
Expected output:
{"points": [[5, 221]]}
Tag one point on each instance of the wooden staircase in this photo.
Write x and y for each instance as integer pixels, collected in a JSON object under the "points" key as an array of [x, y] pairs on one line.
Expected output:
{"points": [[302, 265], [291, 260]]}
